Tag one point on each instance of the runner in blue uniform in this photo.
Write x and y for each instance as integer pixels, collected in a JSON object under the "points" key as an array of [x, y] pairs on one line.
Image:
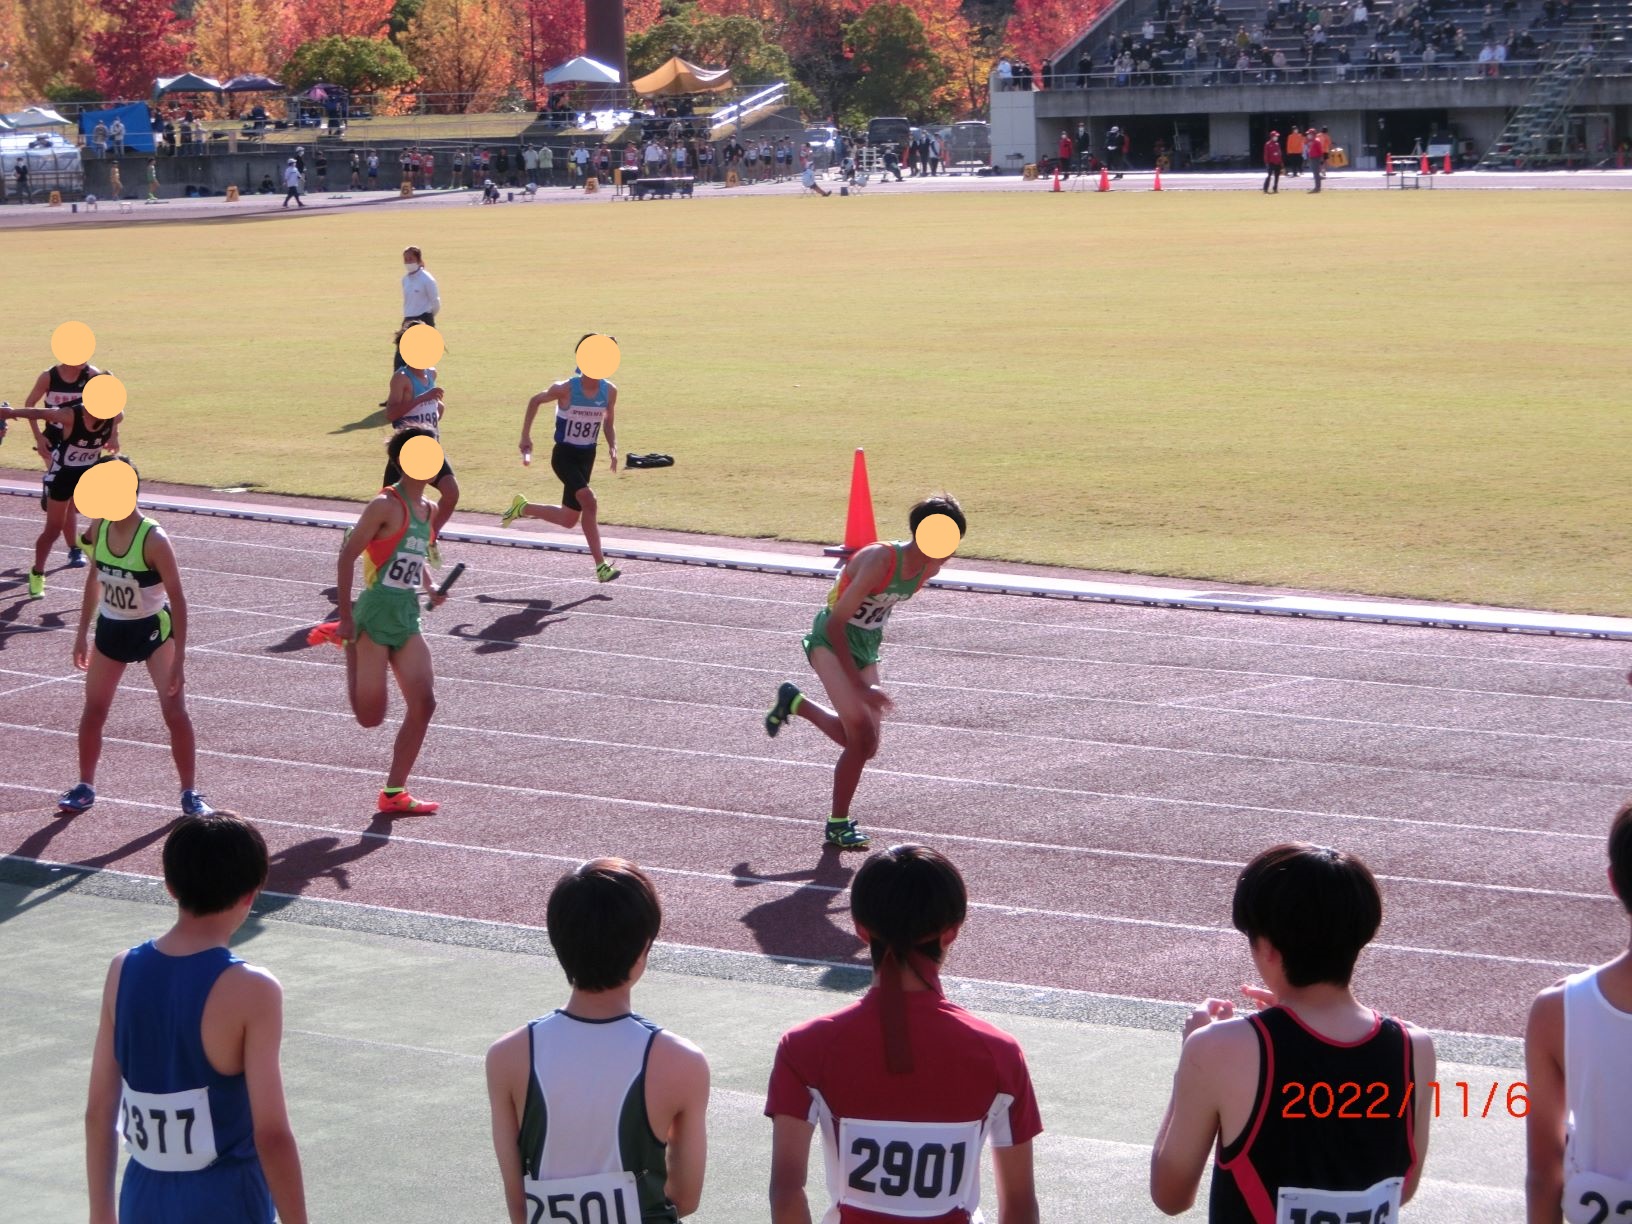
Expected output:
{"points": [[185, 1067], [416, 402]]}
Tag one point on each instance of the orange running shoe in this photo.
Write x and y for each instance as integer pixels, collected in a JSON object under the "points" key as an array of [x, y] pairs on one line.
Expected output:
{"points": [[404, 804], [328, 631]]}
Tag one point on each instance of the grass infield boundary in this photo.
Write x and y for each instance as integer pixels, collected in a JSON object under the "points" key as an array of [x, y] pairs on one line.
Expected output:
{"points": [[1317, 607], [1045, 1002]]}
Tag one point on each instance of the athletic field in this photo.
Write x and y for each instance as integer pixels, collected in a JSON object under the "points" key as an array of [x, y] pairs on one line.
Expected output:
{"points": [[1398, 393]]}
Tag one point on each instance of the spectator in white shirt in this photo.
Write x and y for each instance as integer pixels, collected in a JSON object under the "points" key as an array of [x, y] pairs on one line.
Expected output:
{"points": [[99, 138], [291, 186], [117, 132], [580, 161], [420, 299], [1005, 74]]}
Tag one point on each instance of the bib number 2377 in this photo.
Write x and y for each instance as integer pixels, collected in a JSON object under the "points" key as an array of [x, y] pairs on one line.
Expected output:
{"points": [[1380, 1204], [169, 1132], [908, 1168], [602, 1198]]}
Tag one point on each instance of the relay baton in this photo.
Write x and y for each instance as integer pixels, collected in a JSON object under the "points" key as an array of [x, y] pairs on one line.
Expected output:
{"points": [[453, 577]]}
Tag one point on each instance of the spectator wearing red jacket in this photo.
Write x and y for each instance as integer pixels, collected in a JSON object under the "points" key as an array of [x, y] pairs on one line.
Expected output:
{"points": [[1314, 155], [1272, 164], [1066, 151]]}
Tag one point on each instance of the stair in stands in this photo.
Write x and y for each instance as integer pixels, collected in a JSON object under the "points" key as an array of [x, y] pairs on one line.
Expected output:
{"points": [[1536, 134]]}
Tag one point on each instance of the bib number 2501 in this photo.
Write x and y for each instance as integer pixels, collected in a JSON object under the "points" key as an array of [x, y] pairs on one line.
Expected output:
{"points": [[603, 1198]]}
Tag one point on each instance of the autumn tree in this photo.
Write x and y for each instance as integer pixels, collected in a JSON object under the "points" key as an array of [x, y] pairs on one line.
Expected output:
{"points": [[897, 73], [462, 53], [11, 32], [53, 50], [143, 39], [546, 33], [362, 65], [314, 20], [235, 37], [955, 42], [737, 43], [1040, 28]]}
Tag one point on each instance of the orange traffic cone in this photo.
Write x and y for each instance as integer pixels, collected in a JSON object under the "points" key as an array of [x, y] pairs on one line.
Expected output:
{"points": [[1388, 164], [1104, 179], [1447, 169], [1424, 168], [860, 529], [1056, 176], [1157, 186]]}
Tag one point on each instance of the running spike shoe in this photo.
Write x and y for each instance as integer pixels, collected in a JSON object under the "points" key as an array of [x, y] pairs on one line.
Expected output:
{"points": [[77, 800], [844, 835], [404, 804], [518, 505], [788, 699]]}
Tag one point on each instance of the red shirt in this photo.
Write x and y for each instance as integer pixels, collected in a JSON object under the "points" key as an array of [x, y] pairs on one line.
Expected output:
{"points": [[1272, 153], [911, 1140], [1065, 148]]}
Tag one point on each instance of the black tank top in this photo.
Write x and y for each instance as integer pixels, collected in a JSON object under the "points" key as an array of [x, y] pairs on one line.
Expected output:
{"points": [[61, 392], [1327, 1117], [81, 443]]}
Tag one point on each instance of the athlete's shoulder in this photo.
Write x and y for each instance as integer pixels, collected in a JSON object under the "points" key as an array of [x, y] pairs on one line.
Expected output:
{"points": [[822, 1031], [675, 1058], [1222, 1041]]}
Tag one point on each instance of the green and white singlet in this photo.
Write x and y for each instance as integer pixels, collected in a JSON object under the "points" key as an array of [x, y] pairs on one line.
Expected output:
{"points": [[865, 629], [388, 609]]}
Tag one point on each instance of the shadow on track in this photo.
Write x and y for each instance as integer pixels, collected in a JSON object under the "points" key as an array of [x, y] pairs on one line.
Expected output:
{"points": [[530, 618], [811, 922]]}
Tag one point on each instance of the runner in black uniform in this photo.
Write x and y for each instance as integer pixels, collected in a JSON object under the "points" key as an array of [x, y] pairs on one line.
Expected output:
{"points": [[59, 387], [1318, 1106]]}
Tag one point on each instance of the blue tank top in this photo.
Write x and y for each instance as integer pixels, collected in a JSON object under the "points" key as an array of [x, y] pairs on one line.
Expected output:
{"points": [[178, 1115], [579, 423], [426, 415]]}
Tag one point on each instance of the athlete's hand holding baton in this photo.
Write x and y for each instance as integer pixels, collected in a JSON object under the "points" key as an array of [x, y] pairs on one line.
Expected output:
{"points": [[436, 598]]}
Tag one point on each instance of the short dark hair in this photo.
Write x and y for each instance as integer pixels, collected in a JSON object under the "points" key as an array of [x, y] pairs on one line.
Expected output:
{"points": [[601, 918], [212, 862], [1316, 906], [938, 503], [1620, 856], [905, 898], [586, 336], [124, 459], [401, 438]]}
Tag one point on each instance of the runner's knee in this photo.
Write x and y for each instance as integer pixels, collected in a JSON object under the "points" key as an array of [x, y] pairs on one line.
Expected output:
{"points": [[586, 501], [422, 706]]}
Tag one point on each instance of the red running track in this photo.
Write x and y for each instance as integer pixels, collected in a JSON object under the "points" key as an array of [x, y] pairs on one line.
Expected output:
{"points": [[1099, 772]]}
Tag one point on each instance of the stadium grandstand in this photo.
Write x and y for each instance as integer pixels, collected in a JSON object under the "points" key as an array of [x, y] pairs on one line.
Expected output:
{"points": [[1510, 84]]}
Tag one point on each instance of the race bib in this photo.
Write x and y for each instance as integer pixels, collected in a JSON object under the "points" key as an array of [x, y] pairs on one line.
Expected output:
{"points": [[121, 595], [874, 611], [908, 1169], [581, 430], [81, 456], [1378, 1205], [423, 417], [1592, 1198], [403, 573], [601, 1198], [168, 1132]]}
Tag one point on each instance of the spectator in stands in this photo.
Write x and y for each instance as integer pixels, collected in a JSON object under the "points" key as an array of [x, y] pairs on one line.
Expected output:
{"points": [[1272, 164], [1067, 150], [1047, 74], [20, 170], [529, 161], [291, 184], [1005, 74], [1116, 149], [267, 187], [1315, 149], [580, 163], [1083, 146], [322, 167], [655, 159], [501, 163], [592, 1103], [456, 178], [1487, 58], [116, 136], [356, 171], [1085, 66], [373, 169], [99, 139], [546, 164]]}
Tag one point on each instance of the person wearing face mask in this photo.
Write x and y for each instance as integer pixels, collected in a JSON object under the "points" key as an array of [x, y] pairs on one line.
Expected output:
{"points": [[420, 299]]}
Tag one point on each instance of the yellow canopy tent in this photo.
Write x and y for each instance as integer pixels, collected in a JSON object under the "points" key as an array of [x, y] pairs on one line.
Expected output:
{"points": [[679, 77]]}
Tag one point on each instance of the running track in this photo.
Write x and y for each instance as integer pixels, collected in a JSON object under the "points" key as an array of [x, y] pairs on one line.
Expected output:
{"points": [[1099, 772]]}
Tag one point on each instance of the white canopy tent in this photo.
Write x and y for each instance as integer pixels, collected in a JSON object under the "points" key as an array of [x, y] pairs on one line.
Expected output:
{"points": [[582, 71]]}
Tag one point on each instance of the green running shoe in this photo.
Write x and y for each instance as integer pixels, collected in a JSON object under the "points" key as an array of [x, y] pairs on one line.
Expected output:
{"points": [[36, 585], [517, 506], [844, 835], [788, 700], [605, 573]]}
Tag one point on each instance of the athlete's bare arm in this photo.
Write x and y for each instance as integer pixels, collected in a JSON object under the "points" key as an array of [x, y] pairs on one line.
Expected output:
{"points": [[678, 1087], [102, 1107], [260, 1004], [373, 523], [1544, 1124], [87, 609], [49, 416], [161, 556], [1016, 1184], [608, 427], [790, 1164], [111, 446], [1192, 1124], [507, 1071], [864, 571], [556, 394], [1426, 1071], [42, 384]]}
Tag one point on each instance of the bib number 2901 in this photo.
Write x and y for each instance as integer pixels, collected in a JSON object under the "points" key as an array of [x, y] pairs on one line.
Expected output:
{"points": [[908, 1168], [897, 1168], [605, 1198]]}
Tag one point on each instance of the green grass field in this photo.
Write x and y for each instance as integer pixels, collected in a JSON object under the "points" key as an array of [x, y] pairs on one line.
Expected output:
{"points": [[1408, 394]]}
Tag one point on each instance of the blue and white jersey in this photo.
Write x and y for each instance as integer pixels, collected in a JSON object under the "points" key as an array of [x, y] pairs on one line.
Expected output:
{"points": [[187, 1127], [579, 422], [423, 416]]}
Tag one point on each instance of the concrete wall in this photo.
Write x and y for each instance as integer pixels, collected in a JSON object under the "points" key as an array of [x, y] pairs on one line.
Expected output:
{"points": [[1227, 135], [1014, 127], [1482, 125], [216, 173]]}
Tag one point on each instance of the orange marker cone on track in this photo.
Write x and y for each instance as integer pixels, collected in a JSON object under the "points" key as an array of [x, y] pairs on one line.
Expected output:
{"points": [[1104, 179], [1388, 164], [1447, 169], [1056, 177], [1158, 184], [860, 529], [1424, 167]]}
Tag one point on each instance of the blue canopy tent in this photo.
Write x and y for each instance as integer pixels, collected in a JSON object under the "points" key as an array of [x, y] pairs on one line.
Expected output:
{"points": [[138, 128]]}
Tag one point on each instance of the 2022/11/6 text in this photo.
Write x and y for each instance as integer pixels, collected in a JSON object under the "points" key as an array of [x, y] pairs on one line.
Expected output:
{"points": [[1352, 1100]]}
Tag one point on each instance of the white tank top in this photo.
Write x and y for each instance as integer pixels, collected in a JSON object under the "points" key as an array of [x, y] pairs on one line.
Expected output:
{"points": [[1598, 1097]]}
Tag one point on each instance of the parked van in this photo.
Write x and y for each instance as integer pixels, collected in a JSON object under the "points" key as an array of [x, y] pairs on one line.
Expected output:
{"points": [[969, 146], [890, 131]]}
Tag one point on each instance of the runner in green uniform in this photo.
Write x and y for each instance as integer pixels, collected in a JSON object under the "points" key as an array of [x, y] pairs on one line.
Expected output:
{"points": [[393, 539], [843, 647]]}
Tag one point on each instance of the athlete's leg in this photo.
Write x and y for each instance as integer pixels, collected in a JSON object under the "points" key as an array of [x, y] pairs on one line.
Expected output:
{"points": [[448, 487], [57, 514], [101, 682], [412, 664], [366, 663], [161, 666], [592, 527], [561, 516], [70, 527], [858, 723]]}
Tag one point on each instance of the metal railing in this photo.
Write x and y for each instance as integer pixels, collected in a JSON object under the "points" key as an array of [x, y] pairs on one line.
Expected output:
{"points": [[1413, 71]]}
